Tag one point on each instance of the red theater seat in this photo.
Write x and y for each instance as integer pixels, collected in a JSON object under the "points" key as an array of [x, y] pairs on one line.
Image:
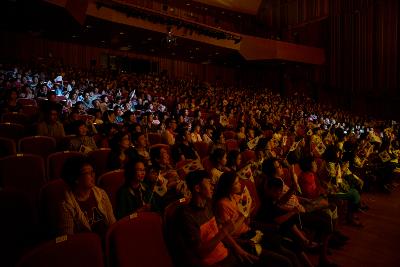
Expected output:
{"points": [[137, 240], [79, 250]]}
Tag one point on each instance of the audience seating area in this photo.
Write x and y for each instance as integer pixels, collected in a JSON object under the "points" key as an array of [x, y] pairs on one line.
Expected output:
{"points": [[32, 191]]}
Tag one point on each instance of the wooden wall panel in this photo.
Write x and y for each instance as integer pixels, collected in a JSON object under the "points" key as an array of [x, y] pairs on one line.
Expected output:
{"points": [[364, 54]]}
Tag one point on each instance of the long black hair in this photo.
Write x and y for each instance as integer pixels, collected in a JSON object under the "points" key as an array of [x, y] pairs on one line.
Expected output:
{"points": [[224, 186]]}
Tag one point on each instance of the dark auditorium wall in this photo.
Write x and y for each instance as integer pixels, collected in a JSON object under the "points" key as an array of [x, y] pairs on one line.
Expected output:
{"points": [[26, 48], [364, 54]]}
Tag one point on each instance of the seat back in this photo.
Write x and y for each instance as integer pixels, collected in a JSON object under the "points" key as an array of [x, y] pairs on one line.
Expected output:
{"points": [[247, 156], [79, 250], [232, 144], [38, 145], [27, 102], [51, 196], [229, 134], [17, 225], [154, 138], [137, 240], [201, 148], [64, 143], [12, 130], [31, 112], [14, 117], [7, 147], [55, 163], [99, 158], [111, 182], [24, 172], [180, 255]]}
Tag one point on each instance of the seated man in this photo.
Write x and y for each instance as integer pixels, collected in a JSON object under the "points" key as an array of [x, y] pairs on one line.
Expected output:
{"points": [[51, 125], [202, 236]]}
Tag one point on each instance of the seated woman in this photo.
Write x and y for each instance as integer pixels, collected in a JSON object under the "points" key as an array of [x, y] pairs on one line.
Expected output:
{"points": [[82, 142], [161, 164], [226, 199], [207, 136], [337, 187], [196, 133], [270, 212], [86, 208], [183, 148], [286, 206], [121, 151], [218, 141], [10, 104], [141, 146], [320, 206], [218, 160], [134, 195], [234, 160]]}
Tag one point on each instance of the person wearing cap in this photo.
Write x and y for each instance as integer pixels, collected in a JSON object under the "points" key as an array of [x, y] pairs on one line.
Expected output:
{"points": [[202, 236]]}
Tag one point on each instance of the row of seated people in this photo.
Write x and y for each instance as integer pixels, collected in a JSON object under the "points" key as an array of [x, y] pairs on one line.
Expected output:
{"points": [[219, 157], [252, 113]]}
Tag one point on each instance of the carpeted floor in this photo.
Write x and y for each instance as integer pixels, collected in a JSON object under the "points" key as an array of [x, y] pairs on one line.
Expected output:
{"points": [[377, 244]]}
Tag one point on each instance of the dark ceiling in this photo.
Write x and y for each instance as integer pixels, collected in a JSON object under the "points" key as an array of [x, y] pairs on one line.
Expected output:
{"points": [[52, 22]]}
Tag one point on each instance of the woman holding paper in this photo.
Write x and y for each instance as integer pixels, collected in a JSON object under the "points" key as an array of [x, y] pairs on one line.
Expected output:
{"points": [[232, 203]]}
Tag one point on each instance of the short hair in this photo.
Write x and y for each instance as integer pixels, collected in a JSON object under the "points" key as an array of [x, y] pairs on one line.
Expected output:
{"points": [[71, 169], [268, 167], [217, 155], [225, 184], [135, 136], [196, 177]]}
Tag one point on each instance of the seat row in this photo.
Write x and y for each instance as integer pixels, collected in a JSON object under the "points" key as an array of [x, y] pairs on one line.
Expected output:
{"points": [[136, 240]]}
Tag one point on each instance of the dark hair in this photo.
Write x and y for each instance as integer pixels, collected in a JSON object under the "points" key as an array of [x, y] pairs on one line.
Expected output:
{"points": [[135, 136], [268, 167], [224, 186], [105, 116], [216, 136], [306, 163], [78, 124], [155, 153], [181, 136], [274, 183], [217, 155], [116, 140], [71, 169], [330, 154], [232, 157], [130, 170], [195, 177]]}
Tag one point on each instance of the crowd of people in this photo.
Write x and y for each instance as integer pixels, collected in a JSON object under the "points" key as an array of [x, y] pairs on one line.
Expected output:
{"points": [[309, 161]]}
